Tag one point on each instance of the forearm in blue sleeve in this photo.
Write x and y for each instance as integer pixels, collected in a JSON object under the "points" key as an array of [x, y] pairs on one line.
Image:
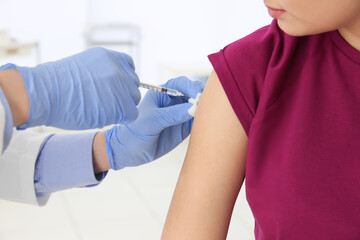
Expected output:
{"points": [[65, 161], [8, 121]]}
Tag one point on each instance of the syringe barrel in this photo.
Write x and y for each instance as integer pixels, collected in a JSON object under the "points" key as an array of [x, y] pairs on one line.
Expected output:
{"points": [[173, 92]]}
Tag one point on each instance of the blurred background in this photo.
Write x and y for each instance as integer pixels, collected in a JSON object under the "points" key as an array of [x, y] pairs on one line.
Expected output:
{"points": [[166, 39]]}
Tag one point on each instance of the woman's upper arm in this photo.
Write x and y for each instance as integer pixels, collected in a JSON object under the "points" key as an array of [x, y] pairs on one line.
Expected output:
{"points": [[212, 173]]}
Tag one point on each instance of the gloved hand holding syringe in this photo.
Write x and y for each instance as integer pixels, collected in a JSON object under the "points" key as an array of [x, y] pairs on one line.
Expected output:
{"points": [[163, 122], [174, 93]]}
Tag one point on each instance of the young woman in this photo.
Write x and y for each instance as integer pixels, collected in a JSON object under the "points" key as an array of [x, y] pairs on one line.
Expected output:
{"points": [[282, 108]]}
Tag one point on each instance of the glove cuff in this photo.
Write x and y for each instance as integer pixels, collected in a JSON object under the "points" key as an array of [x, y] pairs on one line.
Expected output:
{"points": [[43, 95], [109, 135], [125, 148]]}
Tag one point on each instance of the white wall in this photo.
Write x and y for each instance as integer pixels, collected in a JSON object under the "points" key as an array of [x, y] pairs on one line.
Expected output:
{"points": [[57, 25], [176, 38], [176, 35]]}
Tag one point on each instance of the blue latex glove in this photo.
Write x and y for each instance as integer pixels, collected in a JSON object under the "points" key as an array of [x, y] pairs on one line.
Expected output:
{"points": [[163, 123], [91, 89]]}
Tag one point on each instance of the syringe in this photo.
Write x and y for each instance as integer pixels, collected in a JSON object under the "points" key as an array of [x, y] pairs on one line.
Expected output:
{"points": [[169, 91]]}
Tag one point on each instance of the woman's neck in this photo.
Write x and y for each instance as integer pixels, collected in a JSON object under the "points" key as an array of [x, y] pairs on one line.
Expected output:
{"points": [[352, 34]]}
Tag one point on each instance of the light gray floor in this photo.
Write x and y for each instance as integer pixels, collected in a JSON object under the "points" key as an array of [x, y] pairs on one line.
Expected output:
{"points": [[129, 204]]}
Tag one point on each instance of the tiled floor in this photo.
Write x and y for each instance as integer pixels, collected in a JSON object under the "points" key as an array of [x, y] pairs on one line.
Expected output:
{"points": [[129, 204]]}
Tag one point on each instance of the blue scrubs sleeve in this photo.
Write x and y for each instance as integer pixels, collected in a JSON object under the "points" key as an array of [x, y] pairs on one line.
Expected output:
{"points": [[65, 161]]}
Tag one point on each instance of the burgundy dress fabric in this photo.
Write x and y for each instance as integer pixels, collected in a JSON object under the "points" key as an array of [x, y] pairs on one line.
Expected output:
{"points": [[298, 100]]}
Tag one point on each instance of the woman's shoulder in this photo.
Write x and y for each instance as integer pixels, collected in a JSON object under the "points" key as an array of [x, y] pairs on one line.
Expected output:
{"points": [[246, 67]]}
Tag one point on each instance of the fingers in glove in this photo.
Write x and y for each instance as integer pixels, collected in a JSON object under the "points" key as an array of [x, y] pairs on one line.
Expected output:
{"points": [[130, 113], [132, 82], [127, 64], [186, 86], [173, 115]]}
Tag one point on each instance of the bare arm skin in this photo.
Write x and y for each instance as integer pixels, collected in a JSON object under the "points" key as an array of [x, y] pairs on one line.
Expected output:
{"points": [[100, 158], [15, 92], [212, 173]]}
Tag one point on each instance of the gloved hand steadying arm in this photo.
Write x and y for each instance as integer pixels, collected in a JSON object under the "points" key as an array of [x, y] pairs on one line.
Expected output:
{"points": [[92, 89], [162, 124]]}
